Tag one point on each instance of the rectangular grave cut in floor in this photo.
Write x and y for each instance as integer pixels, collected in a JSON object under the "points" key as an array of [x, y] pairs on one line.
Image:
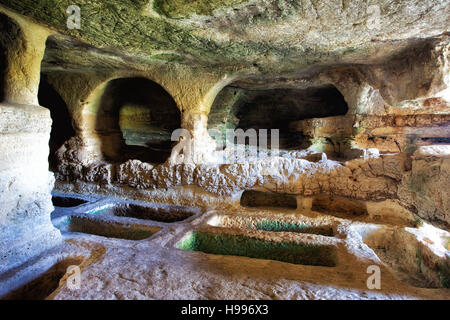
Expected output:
{"points": [[160, 213], [109, 229], [67, 202], [254, 198], [271, 224], [240, 245], [45, 284]]}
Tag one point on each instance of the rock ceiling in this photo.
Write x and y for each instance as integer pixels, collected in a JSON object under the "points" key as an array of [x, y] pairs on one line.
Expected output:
{"points": [[266, 38]]}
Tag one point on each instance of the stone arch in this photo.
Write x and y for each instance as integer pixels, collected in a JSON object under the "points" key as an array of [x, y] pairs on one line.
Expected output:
{"points": [[274, 108], [192, 92], [132, 118]]}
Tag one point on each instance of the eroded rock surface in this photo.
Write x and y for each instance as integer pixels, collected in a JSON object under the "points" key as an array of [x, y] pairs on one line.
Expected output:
{"points": [[142, 94]]}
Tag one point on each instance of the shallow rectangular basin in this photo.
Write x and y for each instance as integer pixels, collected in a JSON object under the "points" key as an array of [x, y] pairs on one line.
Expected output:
{"points": [[240, 245]]}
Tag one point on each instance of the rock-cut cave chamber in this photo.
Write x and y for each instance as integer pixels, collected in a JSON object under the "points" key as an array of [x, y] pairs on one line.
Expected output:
{"points": [[238, 108], [114, 154]]}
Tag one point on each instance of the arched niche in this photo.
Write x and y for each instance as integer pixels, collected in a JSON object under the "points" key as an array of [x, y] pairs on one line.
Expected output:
{"points": [[135, 118], [62, 129], [241, 108]]}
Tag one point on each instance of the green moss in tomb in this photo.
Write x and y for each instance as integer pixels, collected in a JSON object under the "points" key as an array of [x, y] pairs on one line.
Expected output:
{"points": [[238, 245], [185, 8], [284, 226], [278, 226]]}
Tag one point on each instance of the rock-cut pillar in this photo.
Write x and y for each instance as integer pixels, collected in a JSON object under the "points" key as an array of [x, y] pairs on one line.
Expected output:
{"points": [[25, 181], [196, 146]]}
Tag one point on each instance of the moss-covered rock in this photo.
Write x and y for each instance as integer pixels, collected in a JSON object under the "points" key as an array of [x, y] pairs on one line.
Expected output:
{"points": [[276, 36], [185, 8]]}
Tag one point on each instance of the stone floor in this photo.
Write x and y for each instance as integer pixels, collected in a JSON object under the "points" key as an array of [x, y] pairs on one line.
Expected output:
{"points": [[97, 240]]}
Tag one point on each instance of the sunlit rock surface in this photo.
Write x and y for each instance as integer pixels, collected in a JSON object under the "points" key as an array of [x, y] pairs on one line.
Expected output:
{"points": [[128, 116]]}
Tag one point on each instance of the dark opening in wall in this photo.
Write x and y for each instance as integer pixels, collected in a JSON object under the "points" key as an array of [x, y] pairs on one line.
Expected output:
{"points": [[62, 129], [67, 202], [135, 120], [254, 198], [236, 108]]}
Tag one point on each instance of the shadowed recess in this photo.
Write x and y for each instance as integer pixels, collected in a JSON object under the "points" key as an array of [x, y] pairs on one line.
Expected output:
{"points": [[254, 198], [62, 129], [285, 226], [67, 202], [236, 108], [135, 120], [104, 228], [44, 285]]}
